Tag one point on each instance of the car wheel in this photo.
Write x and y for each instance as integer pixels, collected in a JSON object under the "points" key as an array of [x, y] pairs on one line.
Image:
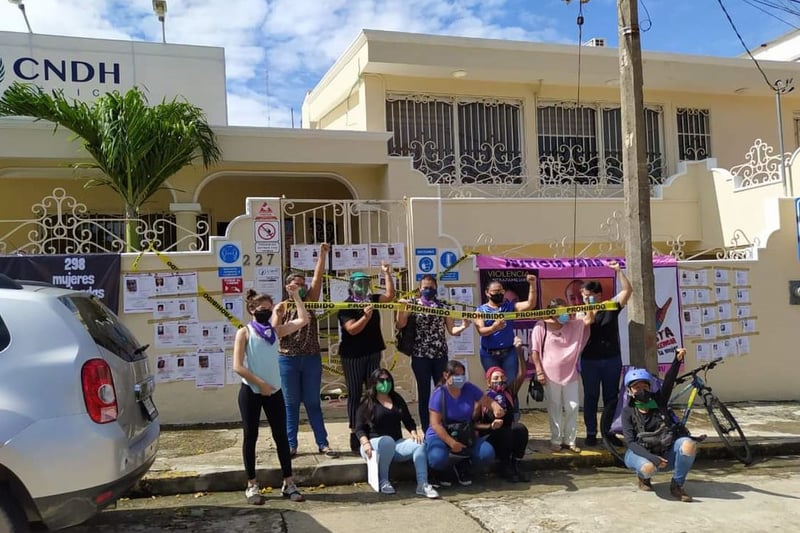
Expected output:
{"points": [[12, 517]]}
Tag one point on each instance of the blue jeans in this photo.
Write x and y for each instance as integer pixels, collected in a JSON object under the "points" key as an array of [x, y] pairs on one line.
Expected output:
{"points": [[676, 459], [481, 453], [401, 451], [301, 380], [426, 370], [594, 373], [510, 365]]}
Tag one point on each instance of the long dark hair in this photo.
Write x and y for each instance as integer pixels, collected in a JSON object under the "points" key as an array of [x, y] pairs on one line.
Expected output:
{"points": [[371, 395]]}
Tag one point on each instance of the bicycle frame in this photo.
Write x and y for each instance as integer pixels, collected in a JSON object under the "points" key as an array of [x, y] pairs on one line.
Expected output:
{"points": [[696, 386]]}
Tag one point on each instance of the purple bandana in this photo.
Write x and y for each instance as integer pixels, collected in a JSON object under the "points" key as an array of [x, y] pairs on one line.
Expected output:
{"points": [[266, 332]]}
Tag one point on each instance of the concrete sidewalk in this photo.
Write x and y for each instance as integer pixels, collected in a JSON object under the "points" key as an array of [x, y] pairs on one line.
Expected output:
{"points": [[194, 460]]}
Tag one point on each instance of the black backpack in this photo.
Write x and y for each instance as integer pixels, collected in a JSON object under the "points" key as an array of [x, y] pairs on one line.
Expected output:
{"points": [[404, 338]]}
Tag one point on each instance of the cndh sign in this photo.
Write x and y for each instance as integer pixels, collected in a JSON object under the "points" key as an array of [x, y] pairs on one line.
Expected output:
{"points": [[29, 69]]}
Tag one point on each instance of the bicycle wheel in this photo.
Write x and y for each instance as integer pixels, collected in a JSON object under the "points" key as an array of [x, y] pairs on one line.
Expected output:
{"points": [[612, 441], [728, 429]]}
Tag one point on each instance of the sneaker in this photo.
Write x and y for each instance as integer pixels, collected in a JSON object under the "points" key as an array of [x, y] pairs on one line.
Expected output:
{"points": [[289, 490], [645, 485], [428, 491], [591, 440], [440, 478], [387, 488], [463, 475], [678, 493], [253, 495]]}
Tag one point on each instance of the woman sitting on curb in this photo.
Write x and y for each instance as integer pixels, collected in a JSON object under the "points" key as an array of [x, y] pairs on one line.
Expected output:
{"points": [[451, 435], [653, 439], [508, 438], [378, 429]]}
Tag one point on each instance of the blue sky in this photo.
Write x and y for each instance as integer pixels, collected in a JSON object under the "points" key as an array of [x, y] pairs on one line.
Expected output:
{"points": [[298, 40]]}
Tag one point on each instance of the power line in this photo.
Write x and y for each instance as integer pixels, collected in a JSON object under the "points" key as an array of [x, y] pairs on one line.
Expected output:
{"points": [[755, 5], [746, 49]]}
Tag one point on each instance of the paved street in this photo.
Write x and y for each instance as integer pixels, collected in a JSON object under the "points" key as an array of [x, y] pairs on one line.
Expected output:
{"points": [[728, 497]]}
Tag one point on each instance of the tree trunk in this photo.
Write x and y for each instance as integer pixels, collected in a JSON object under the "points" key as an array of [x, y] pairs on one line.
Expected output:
{"points": [[131, 235]]}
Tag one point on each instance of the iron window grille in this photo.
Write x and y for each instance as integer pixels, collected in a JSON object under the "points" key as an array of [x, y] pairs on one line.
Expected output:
{"points": [[694, 134]]}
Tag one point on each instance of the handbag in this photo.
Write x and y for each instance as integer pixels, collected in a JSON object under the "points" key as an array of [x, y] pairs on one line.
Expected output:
{"points": [[404, 337], [536, 389], [462, 432]]}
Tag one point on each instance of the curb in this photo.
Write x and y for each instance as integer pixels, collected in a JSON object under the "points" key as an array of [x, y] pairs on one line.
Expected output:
{"points": [[347, 471]]}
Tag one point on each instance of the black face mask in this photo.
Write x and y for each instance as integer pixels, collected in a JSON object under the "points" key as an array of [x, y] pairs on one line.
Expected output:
{"points": [[496, 298], [643, 396], [262, 316]]}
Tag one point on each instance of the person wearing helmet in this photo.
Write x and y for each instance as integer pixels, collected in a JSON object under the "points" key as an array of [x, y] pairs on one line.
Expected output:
{"points": [[654, 441], [361, 341]]}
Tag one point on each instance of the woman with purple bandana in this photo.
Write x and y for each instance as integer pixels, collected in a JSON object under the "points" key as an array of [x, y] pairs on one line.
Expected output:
{"points": [[255, 359], [429, 355]]}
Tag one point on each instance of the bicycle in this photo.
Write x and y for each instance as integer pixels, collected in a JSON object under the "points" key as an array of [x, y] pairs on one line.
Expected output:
{"points": [[726, 426]]}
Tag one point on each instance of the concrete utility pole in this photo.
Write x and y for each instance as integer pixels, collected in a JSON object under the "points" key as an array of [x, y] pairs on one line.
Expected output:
{"points": [[638, 238]]}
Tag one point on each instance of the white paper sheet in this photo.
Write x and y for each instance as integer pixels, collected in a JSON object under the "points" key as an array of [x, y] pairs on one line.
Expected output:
{"points": [[372, 471]]}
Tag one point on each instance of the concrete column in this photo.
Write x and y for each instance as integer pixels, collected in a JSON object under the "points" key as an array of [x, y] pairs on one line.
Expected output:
{"points": [[186, 221]]}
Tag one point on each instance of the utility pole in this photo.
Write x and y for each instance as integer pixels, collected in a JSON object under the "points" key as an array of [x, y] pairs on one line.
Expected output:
{"points": [[638, 238]]}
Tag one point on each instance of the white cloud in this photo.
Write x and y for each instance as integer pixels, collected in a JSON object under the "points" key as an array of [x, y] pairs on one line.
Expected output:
{"points": [[296, 40]]}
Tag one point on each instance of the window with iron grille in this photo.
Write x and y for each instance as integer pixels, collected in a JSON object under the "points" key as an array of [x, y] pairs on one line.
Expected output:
{"points": [[584, 144], [454, 140], [694, 134]]}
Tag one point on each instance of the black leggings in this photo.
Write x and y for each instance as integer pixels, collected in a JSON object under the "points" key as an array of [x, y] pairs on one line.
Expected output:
{"points": [[250, 406], [356, 372], [509, 442]]}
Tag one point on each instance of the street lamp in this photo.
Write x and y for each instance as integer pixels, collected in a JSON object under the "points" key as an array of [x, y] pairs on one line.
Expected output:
{"points": [[21, 5], [160, 9], [782, 87]]}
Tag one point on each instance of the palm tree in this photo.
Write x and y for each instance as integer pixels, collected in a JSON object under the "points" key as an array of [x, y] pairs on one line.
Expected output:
{"points": [[136, 147]]}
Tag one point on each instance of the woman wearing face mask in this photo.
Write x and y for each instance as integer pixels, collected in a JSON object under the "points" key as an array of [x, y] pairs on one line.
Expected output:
{"points": [[508, 438], [556, 344], [459, 399], [301, 362], [255, 359], [362, 341], [654, 441], [429, 356], [378, 427], [497, 336]]}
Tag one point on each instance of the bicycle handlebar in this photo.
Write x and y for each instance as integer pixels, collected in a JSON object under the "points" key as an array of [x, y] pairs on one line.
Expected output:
{"points": [[692, 373]]}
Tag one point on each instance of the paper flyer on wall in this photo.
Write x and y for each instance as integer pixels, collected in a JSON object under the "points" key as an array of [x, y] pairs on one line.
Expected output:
{"points": [[691, 322], [267, 280], [720, 275], [465, 343], [186, 367], [231, 377], [176, 334], [210, 368], [138, 293], [166, 367], [391, 253], [741, 278], [176, 283], [228, 334], [305, 256], [211, 334], [339, 290], [185, 308], [350, 256], [234, 305]]}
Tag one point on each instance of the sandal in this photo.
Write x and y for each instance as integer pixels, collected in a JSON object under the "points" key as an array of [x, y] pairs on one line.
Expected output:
{"points": [[573, 448], [327, 451]]}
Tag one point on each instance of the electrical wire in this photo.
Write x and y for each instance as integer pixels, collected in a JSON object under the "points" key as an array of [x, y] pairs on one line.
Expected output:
{"points": [[773, 15], [578, 110], [648, 21], [741, 40]]}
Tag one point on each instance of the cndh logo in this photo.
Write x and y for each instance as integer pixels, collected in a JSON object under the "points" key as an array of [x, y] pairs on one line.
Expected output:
{"points": [[29, 69]]}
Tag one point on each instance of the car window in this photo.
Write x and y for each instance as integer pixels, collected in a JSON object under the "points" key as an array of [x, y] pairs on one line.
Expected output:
{"points": [[104, 327], [5, 335]]}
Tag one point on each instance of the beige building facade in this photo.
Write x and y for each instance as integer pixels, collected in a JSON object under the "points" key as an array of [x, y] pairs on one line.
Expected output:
{"points": [[474, 145]]}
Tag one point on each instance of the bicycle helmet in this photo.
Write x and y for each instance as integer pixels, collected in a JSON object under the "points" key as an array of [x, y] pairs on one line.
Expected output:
{"points": [[358, 275], [636, 374]]}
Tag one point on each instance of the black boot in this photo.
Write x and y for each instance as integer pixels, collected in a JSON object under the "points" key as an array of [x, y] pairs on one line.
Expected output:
{"points": [[516, 466], [507, 472], [355, 444]]}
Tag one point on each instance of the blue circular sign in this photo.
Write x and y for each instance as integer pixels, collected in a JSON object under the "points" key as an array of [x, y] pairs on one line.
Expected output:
{"points": [[229, 253], [426, 264], [448, 259]]}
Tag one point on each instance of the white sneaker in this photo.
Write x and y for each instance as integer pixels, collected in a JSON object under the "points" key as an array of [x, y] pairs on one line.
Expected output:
{"points": [[387, 488], [427, 490], [253, 495]]}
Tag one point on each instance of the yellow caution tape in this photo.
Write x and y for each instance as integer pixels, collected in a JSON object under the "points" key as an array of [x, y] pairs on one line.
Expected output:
{"points": [[471, 315]]}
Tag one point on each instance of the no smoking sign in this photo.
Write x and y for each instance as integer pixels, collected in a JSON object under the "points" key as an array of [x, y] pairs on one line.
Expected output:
{"points": [[267, 236]]}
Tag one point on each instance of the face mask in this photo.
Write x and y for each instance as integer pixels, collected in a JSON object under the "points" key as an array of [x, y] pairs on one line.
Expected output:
{"points": [[302, 291], [591, 299], [642, 396], [498, 386], [384, 386], [458, 381], [360, 289], [563, 318], [496, 298], [262, 316], [429, 293]]}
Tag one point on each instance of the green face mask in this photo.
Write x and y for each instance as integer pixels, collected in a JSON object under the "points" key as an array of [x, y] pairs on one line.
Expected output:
{"points": [[302, 291], [384, 386]]}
